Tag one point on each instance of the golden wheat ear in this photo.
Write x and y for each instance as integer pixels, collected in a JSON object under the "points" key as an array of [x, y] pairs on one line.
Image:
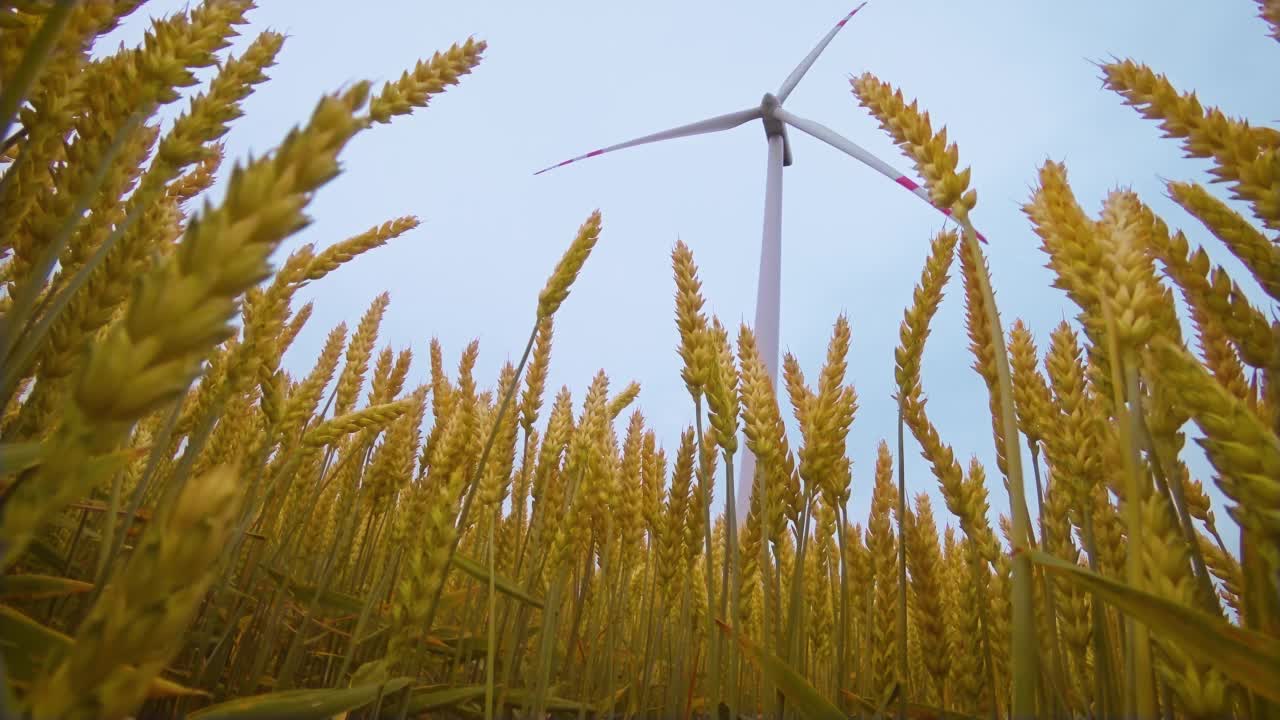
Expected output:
{"points": [[138, 623]]}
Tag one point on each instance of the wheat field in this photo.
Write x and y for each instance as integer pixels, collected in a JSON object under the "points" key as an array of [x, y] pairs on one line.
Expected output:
{"points": [[189, 529]]}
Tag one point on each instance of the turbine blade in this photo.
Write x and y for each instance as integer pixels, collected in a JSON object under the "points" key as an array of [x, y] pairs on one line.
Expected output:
{"points": [[794, 78], [710, 125], [849, 147]]}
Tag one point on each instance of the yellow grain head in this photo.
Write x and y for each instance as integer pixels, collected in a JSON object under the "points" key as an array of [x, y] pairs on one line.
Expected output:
{"points": [[586, 467], [751, 543], [557, 287], [55, 105], [936, 161], [1215, 297], [441, 388], [968, 682], [629, 512], [822, 459], [535, 381], [1226, 569], [722, 389], [1137, 299], [1072, 605], [820, 614], [882, 544], [695, 521], [801, 396], [915, 324], [690, 321], [676, 535], [381, 375], [547, 489], [707, 467], [138, 623], [1243, 156], [466, 385], [429, 78], [1071, 445], [983, 344], [622, 400], [1220, 356], [1000, 614], [1246, 242], [334, 256], [496, 483], [524, 480], [375, 418], [358, 353], [1269, 10], [1201, 690], [975, 501], [1071, 240], [1241, 447], [305, 398], [767, 438], [924, 560], [391, 466], [399, 372], [199, 179], [423, 556], [1031, 394], [1109, 532], [859, 571], [295, 325], [1197, 501], [654, 477]]}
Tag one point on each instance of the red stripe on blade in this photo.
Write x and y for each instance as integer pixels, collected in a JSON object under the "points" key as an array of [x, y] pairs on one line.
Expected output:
{"points": [[849, 16], [907, 183]]}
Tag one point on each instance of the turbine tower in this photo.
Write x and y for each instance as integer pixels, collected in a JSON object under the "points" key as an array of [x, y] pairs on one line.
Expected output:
{"points": [[775, 120]]}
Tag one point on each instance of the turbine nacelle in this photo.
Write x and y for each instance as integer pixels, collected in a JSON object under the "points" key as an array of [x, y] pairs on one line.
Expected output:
{"points": [[773, 125]]}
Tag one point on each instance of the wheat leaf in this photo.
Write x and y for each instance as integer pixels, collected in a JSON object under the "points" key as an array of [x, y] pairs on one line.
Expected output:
{"points": [[807, 702], [300, 704], [504, 585], [39, 587], [1247, 657]]}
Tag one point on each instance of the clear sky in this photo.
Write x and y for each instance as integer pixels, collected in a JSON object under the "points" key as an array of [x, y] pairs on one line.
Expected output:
{"points": [[1014, 82]]}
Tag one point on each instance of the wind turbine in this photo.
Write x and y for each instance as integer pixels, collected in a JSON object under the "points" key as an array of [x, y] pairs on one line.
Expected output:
{"points": [[775, 120]]}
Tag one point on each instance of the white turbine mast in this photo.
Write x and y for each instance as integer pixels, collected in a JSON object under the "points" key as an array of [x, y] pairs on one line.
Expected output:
{"points": [[775, 120]]}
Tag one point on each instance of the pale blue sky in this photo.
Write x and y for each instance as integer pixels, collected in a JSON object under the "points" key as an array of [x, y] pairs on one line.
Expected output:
{"points": [[1013, 81]]}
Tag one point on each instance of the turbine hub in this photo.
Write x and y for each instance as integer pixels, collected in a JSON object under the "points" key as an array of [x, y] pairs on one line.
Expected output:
{"points": [[768, 107]]}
